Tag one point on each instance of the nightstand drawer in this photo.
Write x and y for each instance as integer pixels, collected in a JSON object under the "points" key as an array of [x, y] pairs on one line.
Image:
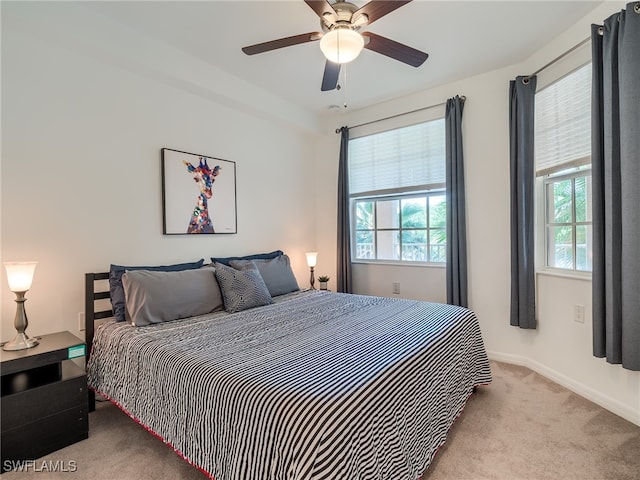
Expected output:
{"points": [[26, 406], [36, 439]]}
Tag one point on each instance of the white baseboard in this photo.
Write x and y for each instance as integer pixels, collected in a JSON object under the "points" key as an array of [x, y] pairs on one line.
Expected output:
{"points": [[589, 393]]}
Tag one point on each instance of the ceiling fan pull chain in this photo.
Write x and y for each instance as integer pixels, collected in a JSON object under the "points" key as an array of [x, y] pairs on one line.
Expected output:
{"points": [[345, 87]]}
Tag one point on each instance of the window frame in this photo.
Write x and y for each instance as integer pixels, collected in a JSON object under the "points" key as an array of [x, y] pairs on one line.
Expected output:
{"points": [[437, 190], [546, 182], [570, 169], [435, 113]]}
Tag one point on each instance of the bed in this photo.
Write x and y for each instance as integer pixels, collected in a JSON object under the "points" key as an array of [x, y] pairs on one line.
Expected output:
{"points": [[316, 385]]}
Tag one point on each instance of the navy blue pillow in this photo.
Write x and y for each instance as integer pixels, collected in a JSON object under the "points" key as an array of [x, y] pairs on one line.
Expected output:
{"points": [[117, 290], [257, 256]]}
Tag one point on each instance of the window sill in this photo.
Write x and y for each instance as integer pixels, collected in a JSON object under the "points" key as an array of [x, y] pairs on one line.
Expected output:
{"points": [[399, 264], [582, 276]]}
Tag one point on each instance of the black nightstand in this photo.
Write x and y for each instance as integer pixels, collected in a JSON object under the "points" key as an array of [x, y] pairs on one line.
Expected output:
{"points": [[43, 398]]}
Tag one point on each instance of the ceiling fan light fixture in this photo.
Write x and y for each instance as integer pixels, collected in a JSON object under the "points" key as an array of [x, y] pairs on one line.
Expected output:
{"points": [[341, 45]]}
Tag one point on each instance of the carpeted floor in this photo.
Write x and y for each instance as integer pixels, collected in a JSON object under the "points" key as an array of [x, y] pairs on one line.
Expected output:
{"points": [[522, 426]]}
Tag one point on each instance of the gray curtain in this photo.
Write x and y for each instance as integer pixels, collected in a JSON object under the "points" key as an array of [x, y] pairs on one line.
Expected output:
{"points": [[615, 160], [456, 227], [521, 118], [344, 230]]}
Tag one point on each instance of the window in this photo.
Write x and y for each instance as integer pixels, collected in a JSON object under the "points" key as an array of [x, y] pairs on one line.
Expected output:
{"points": [[398, 203], [563, 167], [405, 228], [568, 220]]}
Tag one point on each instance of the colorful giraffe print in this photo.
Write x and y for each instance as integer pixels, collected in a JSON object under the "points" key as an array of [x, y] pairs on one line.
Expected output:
{"points": [[204, 177]]}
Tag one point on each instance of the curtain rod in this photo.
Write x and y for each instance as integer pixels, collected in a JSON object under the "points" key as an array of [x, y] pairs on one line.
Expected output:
{"points": [[462, 98], [525, 80]]}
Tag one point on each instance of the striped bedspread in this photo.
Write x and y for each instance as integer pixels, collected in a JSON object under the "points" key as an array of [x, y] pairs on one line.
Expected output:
{"points": [[319, 385]]}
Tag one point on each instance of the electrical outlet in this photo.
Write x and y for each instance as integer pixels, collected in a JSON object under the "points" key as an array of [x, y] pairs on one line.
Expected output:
{"points": [[578, 313], [81, 321], [396, 288]]}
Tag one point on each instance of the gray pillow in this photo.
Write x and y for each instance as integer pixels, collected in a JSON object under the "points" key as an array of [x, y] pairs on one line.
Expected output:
{"points": [[115, 282], [242, 289], [154, 297], [275, 272]]}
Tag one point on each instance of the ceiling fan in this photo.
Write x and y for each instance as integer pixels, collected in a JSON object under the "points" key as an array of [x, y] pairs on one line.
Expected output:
{"points": [[340, 40]]}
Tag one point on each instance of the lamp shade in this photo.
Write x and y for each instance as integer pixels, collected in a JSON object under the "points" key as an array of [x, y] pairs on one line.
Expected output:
{"points": [[312, 258], [341, 45], [20, 275]]}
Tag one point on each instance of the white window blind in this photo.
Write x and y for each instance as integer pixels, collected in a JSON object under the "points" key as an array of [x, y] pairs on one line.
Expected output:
{"points": [[398, 160], [563, 123]]}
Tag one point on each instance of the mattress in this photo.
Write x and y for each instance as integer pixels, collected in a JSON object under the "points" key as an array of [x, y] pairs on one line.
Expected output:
{"points": [[318, 385]]}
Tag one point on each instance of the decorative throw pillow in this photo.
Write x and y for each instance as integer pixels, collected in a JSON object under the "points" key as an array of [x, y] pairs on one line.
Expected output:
{"points": [[276, 273], [155, 297], [256, 256], [242, 289], [115, 282]]}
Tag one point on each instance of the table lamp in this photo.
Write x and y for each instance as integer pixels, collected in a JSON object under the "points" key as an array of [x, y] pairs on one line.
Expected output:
{"points": [[312, 258], [20, 276]]}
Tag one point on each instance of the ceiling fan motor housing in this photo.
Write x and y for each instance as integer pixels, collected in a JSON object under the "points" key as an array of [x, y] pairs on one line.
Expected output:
{"points": [[343, 17]]}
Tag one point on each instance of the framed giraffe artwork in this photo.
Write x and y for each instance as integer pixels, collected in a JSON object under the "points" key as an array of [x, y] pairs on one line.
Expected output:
{"points": [[198, 194]]}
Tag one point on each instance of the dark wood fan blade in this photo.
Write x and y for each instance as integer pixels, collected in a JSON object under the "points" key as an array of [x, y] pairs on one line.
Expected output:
{"points": [[282, 42], [320, 7], [376, 9], [395, 50], [330, 77]]}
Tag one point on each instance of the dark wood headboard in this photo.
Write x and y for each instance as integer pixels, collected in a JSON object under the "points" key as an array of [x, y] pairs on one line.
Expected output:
{"points": [[91, 315]]}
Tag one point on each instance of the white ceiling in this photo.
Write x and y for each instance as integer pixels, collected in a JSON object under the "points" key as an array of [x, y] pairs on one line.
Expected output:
{"points": [[463, 38]]}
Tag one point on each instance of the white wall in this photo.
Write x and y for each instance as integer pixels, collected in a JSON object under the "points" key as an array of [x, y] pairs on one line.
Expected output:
{"points": [[83, 122], [560, 348], [420, 283]]}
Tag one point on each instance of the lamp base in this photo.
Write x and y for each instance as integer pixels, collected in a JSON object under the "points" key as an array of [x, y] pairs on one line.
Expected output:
{"points": [[20, 342]]}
